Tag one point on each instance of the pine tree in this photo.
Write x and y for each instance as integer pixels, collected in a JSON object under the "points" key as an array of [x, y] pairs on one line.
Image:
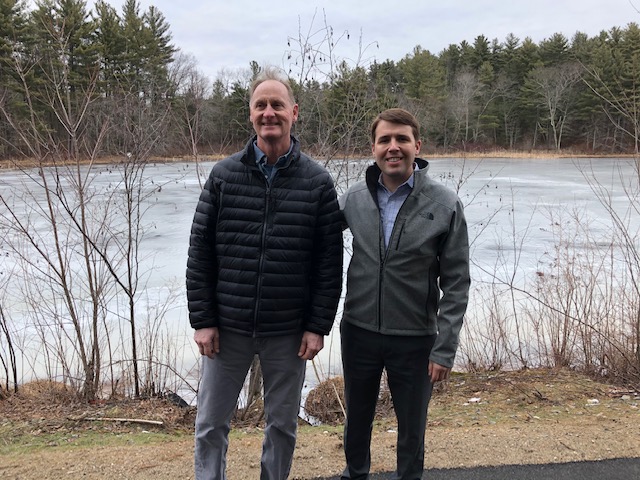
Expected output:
{"points": [[65, 65], [110, 43]]}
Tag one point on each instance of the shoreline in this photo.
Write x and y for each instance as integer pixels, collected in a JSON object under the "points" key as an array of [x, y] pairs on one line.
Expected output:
{"points": [[17, 164]]}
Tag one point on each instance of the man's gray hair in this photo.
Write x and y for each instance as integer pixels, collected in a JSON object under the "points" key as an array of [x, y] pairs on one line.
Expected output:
{"points": [[272, 73]]}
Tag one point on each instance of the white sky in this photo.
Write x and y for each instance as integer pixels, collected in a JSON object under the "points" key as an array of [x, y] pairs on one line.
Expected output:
{"points": [[230, 34]]}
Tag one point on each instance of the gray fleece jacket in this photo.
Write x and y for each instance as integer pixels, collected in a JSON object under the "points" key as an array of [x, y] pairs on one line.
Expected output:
{"points": [[420, 284]]}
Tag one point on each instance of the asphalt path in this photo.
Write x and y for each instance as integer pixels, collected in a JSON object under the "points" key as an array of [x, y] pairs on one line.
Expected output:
{"points": [[615, 469]]}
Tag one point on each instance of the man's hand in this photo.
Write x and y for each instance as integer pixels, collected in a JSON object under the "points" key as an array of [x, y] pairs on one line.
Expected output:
{"points": [[208, 341], [438, 372], [311, 344]]}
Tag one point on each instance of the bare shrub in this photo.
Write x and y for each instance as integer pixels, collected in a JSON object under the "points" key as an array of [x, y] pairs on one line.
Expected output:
{"points": [[326, 401], [47, 390], [251, 415]]}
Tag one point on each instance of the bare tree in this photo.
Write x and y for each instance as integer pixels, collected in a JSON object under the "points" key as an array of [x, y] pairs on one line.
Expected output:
{"points": [[337, 102], [192, 91], [461, 103], [554, 86], [8, 359], [77, 245]]}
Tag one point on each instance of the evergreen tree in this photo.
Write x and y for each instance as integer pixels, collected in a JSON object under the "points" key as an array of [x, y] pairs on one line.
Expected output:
{"points": [[554, 50], [487, 121], [134, 54], [628, 101], [65, 65], [509, 57], [526, 59], [480, 53], [349, 109], [64, 32], [425, 87], [450, 60], [13, 36], [387, 77], [588, 119], [497, 57], [467, 56], [159, 52], [423, 75], [12, 31], [110, 42]]}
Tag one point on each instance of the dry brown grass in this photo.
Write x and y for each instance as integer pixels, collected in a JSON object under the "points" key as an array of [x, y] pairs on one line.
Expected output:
{"points": [[499, 395]]}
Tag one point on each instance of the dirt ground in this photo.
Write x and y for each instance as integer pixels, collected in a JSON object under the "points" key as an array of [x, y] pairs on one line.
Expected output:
{"points": [[475, 419]]}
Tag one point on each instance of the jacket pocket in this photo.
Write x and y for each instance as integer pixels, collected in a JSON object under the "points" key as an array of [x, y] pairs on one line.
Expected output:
{"points": [[418, 235]]}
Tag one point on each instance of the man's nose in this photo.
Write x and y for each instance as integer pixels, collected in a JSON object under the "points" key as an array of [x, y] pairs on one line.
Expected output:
{"points": [[269, 111]]}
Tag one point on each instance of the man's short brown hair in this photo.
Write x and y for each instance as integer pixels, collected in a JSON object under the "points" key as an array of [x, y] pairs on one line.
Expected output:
{"points": [[396, 115]]}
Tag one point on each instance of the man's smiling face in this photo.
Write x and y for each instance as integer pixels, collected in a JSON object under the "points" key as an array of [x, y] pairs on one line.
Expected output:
{"points": [[394, 150], [272, 113]]}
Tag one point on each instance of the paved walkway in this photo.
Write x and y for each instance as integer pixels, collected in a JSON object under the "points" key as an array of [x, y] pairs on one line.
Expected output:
{"points": [[616, 469]]}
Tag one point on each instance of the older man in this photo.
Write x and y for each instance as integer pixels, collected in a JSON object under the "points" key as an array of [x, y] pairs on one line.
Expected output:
{"points": [[263, 278]]}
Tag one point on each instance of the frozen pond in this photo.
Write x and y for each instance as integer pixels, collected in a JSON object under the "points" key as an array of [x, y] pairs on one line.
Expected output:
{"points": [[511, 207]]}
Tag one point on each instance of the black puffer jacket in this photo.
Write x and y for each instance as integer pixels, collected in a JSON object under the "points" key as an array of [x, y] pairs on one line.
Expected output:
{"points": [[265, 260]]}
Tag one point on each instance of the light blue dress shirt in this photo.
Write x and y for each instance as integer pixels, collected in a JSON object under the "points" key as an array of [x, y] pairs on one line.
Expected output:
{"points": [[269, 171], [390, 204]]}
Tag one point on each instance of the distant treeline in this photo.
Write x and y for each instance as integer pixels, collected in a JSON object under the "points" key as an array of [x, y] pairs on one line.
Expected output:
{"points": [[77, 82]]}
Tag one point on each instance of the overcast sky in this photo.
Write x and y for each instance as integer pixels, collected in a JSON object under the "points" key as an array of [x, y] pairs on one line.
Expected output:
{"points": [[230, 34]]}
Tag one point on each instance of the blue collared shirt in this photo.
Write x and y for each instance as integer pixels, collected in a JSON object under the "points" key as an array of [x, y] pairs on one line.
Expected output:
{"points": [[390, 204], [268, 170]]}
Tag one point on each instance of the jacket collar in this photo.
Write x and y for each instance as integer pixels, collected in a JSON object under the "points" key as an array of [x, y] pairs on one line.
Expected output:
{"points": [[249, 155], [373, 174]]}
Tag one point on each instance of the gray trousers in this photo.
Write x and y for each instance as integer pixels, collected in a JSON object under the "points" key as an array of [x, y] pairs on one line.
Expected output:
{"points": [[221, 382]]}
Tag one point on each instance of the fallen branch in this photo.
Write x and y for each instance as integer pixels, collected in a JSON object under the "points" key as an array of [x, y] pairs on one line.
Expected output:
{"points": [[115, 419]]}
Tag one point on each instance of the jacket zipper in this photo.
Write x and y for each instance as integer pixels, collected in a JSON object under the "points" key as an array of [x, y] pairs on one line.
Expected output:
{"points": [[399, 235], [383, 259], [267, 200]]}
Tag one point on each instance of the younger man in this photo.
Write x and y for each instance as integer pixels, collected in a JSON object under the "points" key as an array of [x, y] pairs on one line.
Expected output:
{"points": [[407, 291]]}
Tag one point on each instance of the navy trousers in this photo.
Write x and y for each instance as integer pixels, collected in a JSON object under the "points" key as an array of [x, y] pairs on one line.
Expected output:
{"points": [[406, 359]]}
